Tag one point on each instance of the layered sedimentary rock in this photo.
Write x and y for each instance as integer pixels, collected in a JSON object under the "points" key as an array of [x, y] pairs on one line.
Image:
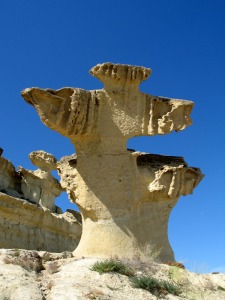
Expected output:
{"points": [[27, 218], [9, 178], [27, 226], [37, 186], [125, 197]]}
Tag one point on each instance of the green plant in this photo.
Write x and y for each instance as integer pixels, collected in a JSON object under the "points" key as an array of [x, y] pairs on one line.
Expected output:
{"points": [[221, 288], [155, 286], [112, 266], [16, 252]]}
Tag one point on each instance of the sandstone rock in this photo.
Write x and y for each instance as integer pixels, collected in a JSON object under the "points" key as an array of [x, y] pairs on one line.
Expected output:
{"points": [[28, 226], [17, 283], [40, 186], [125, 198], [9, 178], [158, 182], [30, 223], [66, 278]]}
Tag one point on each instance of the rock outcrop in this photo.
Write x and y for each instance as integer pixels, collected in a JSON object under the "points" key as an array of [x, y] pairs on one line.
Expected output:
{"points": [[40, 186], [29, 218], [28, 226], [9, 178], [125, 197], [37, 186], [32, 275]]}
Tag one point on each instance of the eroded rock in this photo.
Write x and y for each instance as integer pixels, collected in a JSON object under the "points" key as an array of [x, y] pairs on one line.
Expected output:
{"points": [[28, 226], [125, 198], [9, 178], [30, 223], [66, 278], [40, 186]]}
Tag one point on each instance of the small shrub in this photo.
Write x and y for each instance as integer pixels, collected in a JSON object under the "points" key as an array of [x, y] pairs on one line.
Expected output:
{"points": [[16, 252], [221, 288], [111, 266], [151, 253], [155, 286]]}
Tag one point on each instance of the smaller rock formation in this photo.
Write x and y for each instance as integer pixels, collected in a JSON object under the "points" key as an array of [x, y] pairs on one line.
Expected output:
{"points": [[28, 226], [40, 186], [9, 178], [32, 223]]}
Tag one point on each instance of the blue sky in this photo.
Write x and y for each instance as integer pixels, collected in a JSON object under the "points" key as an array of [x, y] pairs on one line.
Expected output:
{"points": [[53, 44]]}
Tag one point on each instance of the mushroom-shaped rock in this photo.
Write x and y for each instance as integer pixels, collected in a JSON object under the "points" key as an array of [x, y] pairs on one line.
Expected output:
{"points": [[102, 120], [40, 186], [43, 160], [125, 197]]}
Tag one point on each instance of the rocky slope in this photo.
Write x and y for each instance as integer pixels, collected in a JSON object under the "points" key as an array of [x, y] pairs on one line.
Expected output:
{"points": [[32, 275]]}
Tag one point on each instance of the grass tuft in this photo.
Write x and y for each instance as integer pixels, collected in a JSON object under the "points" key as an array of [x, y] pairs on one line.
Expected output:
{"points": [[112, 266], [155, 286]]}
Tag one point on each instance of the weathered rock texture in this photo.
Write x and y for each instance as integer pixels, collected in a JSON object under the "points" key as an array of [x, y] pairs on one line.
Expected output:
{"points": [[27, 218], [40, 186], [28, 226], [61, 277], [9, 178], [125, 198]]}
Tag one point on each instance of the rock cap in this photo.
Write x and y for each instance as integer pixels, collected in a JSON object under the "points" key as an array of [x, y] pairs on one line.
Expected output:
{"points": [[43, 160], [120, 74]]}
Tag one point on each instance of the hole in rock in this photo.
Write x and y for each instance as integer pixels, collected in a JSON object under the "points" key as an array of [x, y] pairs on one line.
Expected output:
{"points": [[64, 203]]}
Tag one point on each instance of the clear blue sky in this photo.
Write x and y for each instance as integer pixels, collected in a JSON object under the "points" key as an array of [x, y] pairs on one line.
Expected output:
{"points": [[55, 43]]}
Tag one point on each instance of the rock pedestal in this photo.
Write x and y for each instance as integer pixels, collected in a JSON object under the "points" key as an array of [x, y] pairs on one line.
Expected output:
{"points": [[125, 197]]}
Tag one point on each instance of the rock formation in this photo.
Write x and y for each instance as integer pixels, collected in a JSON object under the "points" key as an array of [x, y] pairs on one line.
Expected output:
{"points": [[125, 197], [28, 226], [38, 275], [28, 217], [40, 186], [9, 178]]}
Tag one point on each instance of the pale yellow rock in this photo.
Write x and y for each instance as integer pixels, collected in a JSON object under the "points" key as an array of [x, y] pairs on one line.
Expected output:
{"points": [[125, 198], [40, 186], [27, 226], [9, 178], [29, 223]]}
